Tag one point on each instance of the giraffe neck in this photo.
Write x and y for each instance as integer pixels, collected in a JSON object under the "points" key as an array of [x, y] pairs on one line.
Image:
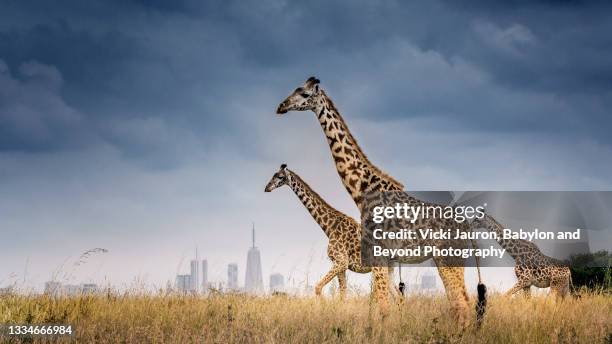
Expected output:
{"points": [[357, 173], [516, 248], [324, 214]]}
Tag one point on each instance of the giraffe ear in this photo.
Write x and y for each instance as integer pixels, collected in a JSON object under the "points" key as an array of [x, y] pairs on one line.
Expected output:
{"points": [[283, 166]]}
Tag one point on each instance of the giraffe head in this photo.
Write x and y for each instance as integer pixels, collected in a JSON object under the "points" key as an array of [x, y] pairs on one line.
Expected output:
{"points": [[305, 97], [279, 179]]}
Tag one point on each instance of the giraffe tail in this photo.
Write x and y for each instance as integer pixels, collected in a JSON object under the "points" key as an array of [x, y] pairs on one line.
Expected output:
{"points": [[481, 304]]}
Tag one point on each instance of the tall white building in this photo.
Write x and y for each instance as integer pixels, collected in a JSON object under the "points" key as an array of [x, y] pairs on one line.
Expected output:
{"points": [[204, 275], [195, 275], [253, 282], [232, 276]]}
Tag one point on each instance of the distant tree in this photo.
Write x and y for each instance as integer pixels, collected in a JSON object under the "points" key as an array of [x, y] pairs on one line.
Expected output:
{"points": [[592, 271]]}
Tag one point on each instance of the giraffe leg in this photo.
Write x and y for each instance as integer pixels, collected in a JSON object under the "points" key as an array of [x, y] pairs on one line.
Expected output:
{"points": [[453, 280], [560, 287], [517, 287], [527, 292], [565, 288], [342, 283], [380, 282], [335, 270], [340, 265]]}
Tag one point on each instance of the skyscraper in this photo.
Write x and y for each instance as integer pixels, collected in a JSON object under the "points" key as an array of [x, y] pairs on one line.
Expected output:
{"points": [[232, 276], [204, 275], [253, 282], [183, 283], [195, 275]]}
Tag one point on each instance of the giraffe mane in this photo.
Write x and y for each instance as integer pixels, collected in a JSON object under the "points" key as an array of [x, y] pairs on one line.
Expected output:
{"points": [[356, 144], [311, 190]]}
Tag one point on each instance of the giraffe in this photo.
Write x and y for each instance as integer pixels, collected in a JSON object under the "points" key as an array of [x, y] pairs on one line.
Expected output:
{"points": [[360, 177], [343, 232], [532, 267]]}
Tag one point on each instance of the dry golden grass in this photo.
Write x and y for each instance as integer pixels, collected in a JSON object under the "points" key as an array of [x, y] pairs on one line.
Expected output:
{"points": [[281, 319]]}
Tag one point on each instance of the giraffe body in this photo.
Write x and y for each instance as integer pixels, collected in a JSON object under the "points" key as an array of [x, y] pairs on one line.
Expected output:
{"points": [[360, 177], [343, 232], [533, 268]]}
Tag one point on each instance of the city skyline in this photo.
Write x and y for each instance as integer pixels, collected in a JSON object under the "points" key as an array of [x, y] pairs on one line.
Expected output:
{"points": [[253, 282], [187, 283]]}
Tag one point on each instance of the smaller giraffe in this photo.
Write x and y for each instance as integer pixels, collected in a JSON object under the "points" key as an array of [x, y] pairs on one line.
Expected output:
{"points": [[344, 233], [532, 267]]}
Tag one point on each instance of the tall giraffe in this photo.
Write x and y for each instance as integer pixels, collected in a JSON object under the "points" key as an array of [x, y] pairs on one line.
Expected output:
{"points": [[532, 267], [360, 176], [344, 248]]}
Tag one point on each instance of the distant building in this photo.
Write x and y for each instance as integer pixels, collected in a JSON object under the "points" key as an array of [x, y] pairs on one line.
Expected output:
{"points": [[253, 282], [192, 282], [232, 276], [277, 283], [89, 288], [195, 276], [428, 282], [71, 290], [183, 283], [204, 275], [53, 288]]}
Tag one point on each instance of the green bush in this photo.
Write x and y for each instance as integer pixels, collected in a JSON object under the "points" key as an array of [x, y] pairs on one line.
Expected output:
{"points": [[592, 271]]}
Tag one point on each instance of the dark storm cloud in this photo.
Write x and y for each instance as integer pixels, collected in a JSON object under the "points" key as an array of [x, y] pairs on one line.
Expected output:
{"points": [[560, 45], [33, 115], [181, 66]]}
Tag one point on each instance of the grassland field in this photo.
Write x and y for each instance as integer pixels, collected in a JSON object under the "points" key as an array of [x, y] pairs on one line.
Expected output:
{"points": [[235, 318]]}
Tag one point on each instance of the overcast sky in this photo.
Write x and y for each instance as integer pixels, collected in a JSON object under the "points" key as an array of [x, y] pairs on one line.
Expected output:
{"points": [[148, 127]]}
